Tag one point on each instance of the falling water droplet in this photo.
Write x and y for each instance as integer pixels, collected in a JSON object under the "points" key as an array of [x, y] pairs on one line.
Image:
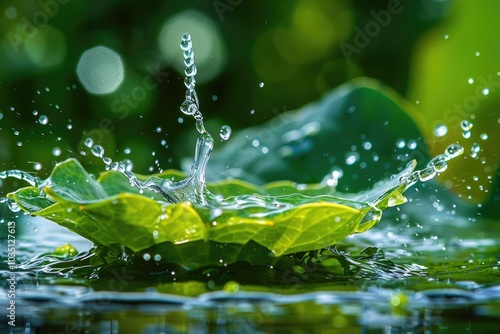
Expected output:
{"points": [[44, 120], [474, 150], [484, 136], [225, 132], [466, 125], [261, 85], [453, 150], [98, 151], [56, 151], [88, 142]]}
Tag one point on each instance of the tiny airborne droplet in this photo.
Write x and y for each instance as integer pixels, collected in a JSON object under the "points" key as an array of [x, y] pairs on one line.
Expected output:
{"points": [[225, 132], [44, 120]]}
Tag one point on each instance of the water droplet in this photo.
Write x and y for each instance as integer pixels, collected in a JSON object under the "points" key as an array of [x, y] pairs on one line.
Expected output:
{"points": [[146, 257], [426, 174], [440, 130], [158, 258], [69, 126], [158, 129], [190, 71], [466, 134], [485, 91], [484, 136], [439, 163], [411, 144], [400, 143], [446, 36], [261, 85], [98, 151], [470, 81], [44, 120], [56, 151], [127, 150], [453, 150], [466, 125], [180, 120], [474, 150], [367, 145], [225, 132], [128, 164], [478, 53], [88, 142], [188, 108], [351, 158], [35, 112], [215, 98]]}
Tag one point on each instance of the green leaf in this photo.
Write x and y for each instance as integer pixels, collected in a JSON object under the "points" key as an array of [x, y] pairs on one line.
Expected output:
{"points": [[362, 117], [254, 224]]}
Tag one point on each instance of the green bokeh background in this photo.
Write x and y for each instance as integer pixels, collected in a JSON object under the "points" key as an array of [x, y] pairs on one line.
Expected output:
{"points": [[427, 52]]}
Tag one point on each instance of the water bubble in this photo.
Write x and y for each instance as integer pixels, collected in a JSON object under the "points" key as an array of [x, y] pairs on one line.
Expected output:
{"points": [[466, 125], [474, 150], [453, 150], [56, 151], [88, 142], [440, 130], [484, 136], [98, 151], [225, 132]]}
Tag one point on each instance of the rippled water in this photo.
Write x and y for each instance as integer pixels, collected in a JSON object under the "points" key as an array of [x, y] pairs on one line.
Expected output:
{"points": [[453, 286]]}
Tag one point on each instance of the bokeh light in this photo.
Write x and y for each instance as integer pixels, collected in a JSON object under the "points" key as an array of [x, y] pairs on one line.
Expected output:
{"points": [[100, 70]]}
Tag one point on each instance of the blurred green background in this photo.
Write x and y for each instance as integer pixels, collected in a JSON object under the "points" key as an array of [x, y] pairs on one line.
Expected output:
{"points": [[439, 54]]}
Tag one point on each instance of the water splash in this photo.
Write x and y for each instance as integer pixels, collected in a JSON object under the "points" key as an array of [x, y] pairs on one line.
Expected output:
{"points": [[193, 187]]}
